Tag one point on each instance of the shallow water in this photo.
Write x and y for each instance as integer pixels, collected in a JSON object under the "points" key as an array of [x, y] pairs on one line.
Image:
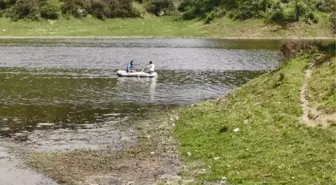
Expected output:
{"points": [[67, 83]]}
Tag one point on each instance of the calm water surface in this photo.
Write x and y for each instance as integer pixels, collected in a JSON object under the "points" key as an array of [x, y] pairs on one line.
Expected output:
{"points": [[71, 82]]}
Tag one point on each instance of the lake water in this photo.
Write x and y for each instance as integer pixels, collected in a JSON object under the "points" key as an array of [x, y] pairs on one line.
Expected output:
{"points": [[67, 82]]}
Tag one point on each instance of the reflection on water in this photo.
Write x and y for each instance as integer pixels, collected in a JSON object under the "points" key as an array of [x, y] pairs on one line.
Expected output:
{"points": [[144, 88], [68, 86]]}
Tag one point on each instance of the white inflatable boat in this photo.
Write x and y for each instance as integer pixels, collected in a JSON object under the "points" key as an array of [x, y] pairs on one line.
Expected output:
{"points": [[123, 73]]}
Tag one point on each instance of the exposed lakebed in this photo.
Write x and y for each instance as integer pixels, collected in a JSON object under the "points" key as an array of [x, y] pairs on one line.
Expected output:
{"points": [[60, 95]]}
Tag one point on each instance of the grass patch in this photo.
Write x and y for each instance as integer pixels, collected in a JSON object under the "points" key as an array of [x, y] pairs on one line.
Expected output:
{"points": [[258, 28], [254, 135], [161, 26], [92, 27], [322, 86]]}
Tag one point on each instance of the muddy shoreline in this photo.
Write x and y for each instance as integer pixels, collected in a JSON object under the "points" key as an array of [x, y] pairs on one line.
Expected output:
{"points": [[151, 159], [13, 171]]}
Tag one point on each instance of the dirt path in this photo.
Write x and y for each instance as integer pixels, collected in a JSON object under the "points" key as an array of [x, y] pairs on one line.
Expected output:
{"points": [[13, 172], [311, 115]]}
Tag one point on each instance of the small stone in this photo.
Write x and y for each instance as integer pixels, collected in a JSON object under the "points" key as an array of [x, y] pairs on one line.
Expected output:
{"points": [[222, 182], [152, 153], [45, 125], [224, 178], [20, 136], [216, 158], [5, 129], [236, 130], [16, 120], [203, 170], [189, 154]]}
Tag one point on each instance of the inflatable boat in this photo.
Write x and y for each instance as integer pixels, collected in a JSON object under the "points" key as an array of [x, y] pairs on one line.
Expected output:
{"points": [[123, 73]]}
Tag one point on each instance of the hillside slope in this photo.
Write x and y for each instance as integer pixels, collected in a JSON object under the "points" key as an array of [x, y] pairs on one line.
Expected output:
{"points": [[262, 133]]}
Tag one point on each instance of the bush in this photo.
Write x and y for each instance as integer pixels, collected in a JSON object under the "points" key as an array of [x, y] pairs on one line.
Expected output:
{"points": [[189, 14], [25, 9], [250, 9], [333, 22], [160, 7], [281, 15], [209, 17], [49, 9], [77, 8], [122, 8], [100, 9], [324, 5], [311, 18], [103, 9], [3, 4], [291, 12], [185, 5]]}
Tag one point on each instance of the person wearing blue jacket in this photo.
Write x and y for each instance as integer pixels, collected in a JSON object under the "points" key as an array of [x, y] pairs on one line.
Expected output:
{"points": [[130, 67]]}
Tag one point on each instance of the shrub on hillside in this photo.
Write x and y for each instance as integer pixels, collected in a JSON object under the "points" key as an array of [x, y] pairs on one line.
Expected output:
{"points": [[4, 4], [25, 9], [250, 9], [325, 5], [333, 21], [190, 13], [185, 5], [332, 17], [160, 7], [283, 14], [278, 11], [50, 9], [310, 18], [210, 17], [77, 8], [122, 8], [100, 9]]}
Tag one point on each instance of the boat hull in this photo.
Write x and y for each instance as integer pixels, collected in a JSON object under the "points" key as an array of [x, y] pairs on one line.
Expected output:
{"points": [[123, 73]]}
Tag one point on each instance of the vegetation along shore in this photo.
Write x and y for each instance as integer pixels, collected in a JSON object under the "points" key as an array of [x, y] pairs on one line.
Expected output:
{"points": [[168, 18]]}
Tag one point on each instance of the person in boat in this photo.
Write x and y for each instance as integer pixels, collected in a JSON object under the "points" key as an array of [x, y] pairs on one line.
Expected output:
{"points": [[130, 67], [150, 68]]}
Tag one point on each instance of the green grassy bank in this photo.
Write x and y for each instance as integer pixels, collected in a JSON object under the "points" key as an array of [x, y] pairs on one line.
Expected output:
{"points": [[273, 144], [162, 27]]}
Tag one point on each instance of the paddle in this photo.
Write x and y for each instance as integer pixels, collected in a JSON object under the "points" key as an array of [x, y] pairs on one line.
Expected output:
{"points": [[141, 71]]}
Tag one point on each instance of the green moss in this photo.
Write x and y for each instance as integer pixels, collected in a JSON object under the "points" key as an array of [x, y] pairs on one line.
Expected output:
{"points": [[271, 146]]}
